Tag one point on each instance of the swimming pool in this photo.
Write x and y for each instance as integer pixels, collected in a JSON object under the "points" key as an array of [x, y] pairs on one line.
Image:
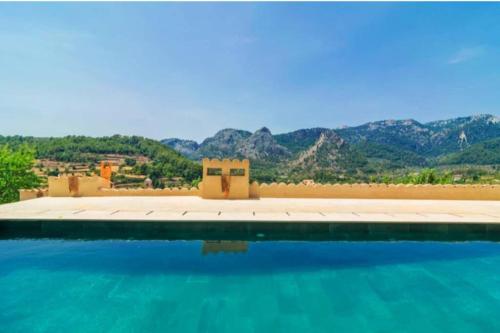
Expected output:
{"points": [[57, 285]]}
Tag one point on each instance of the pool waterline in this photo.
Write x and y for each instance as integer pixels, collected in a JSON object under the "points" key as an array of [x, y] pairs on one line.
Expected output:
{"points": [[181, 230]]}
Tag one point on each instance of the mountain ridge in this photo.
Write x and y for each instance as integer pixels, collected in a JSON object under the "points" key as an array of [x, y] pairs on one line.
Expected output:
{"points": [[379, 144]]}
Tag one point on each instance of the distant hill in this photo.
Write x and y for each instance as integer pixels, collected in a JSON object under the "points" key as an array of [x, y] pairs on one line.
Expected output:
{"points": [[330, 151], [303, 152], [429, 139], [86, 149], [300, 140], [185, 147], [407, 134], [386, 144], [486, 152], [261, 145], [224, 143], [476, 129]]}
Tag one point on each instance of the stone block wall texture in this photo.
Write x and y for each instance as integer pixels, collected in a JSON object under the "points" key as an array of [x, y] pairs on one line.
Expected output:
{"points": [[213, 186], [70, 186], [149, 192], [64, 186], [32, 194], [380, 191]]}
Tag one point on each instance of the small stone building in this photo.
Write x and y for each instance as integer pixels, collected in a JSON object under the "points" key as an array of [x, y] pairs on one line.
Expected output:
{"points": [[225, 179]]}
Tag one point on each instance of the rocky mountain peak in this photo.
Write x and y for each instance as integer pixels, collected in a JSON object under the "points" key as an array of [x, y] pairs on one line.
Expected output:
{"points": [[228, 136], [263, 130], [262, 145]]}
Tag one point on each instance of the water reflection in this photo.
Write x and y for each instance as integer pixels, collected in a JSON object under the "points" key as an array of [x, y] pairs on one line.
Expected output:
{"points": [[223, 246], [221, 258]]}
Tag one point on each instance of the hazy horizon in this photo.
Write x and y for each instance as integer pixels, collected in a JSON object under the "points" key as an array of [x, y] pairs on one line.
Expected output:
{"points": [[187, 70]]}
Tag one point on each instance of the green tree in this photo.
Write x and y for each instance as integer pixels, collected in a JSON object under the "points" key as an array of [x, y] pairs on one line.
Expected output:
{"points": [[16, 172], [130, 161], [426, 176], [53, 173]]}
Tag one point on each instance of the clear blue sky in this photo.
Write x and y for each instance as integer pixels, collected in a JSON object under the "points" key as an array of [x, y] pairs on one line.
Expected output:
{"points": [[187, 70]]}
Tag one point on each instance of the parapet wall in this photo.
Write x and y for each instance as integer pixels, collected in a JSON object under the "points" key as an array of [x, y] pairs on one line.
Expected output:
{"points": [[76, 186], [96, 186], [149, 192], [378, 191], [32, 194], [100, 187]]}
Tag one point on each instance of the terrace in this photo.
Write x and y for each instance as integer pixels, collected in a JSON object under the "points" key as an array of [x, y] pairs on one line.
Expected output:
{"points": [[226, 204]]}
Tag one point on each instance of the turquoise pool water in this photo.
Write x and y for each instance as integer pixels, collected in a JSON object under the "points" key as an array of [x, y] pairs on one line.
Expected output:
{"points": [[170, 286]]}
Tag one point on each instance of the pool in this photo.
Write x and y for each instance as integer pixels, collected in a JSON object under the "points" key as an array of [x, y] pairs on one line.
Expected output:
{"points": [[65, 285]]}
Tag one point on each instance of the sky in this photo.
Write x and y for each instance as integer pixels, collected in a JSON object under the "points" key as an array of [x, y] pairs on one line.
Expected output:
{"points": [[187, 70]]}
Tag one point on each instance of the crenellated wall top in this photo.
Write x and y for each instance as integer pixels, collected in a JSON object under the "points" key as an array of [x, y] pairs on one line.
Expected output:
{"points": [[228, 163], [379, 185]]}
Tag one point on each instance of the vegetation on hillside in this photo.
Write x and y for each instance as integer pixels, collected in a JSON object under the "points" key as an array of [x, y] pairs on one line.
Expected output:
{"points": [[460, 175], [487, 152], [391, 157], [300, 140], [165, 162]]}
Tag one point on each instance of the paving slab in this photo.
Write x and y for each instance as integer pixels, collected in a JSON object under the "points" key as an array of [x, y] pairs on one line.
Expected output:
{"points": [[184, 208]]}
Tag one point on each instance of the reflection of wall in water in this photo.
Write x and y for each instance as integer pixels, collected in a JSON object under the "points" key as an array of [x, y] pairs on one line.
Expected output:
{"points": [[223, 246]]}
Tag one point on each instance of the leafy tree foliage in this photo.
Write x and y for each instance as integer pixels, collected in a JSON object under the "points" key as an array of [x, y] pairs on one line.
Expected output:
{"points": [[130, 161], [15, 172], [53, 172]]}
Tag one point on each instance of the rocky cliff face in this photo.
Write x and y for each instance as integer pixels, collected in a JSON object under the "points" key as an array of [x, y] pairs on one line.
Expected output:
{"points": [[262, 146], [186, 147], [327, 151], [300, 140], [224, 143]]}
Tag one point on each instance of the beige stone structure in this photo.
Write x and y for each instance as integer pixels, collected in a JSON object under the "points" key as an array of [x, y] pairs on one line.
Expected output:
{"points": [[149, 192], [76, 186], [32, 194], [229, 179], [225, 179], [379, 191]]}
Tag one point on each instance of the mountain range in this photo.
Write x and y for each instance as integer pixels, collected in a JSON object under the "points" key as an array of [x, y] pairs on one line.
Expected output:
{"points": [[385, 144]]}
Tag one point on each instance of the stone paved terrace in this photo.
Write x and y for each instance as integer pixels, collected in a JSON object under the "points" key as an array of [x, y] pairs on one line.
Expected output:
{"points": [[261, 210]]}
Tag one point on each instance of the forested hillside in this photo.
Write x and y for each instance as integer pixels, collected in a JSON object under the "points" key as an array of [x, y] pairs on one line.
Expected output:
{"points": [[487, 152], [165, 162]]}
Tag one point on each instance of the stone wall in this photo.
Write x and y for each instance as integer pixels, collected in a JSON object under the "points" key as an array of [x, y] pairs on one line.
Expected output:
{"points": [[149, 192], [76, 186], [32, 194], [379, 191], [97, 186]]}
